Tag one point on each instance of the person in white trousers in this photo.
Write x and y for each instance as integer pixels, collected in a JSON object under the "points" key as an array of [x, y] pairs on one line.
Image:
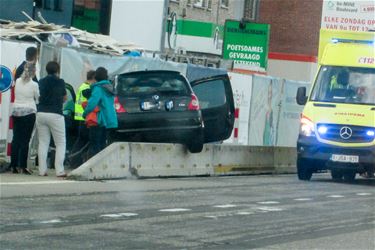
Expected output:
{"points": [[50, 119]]}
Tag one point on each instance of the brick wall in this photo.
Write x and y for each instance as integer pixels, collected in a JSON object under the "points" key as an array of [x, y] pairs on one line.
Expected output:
{"points": [[295, 25]]}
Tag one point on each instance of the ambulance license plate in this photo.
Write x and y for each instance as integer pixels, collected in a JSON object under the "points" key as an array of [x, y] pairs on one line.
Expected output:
{"points": [[345, 158]]}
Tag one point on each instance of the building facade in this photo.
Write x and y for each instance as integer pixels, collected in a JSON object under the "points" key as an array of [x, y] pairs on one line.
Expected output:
{"points": [[294, 35], [53, 11]]}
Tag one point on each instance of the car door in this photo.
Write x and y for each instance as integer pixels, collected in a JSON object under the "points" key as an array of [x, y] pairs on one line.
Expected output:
{"points": [[216, 102]]}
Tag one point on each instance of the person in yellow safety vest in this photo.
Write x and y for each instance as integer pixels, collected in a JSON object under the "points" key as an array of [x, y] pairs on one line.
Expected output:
{"points": [[78, 109], [83, 132]]}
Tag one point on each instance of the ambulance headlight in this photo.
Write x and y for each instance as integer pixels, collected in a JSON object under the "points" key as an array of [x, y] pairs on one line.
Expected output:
{"points": [[322, 130], [370, 133], [307, 127]]}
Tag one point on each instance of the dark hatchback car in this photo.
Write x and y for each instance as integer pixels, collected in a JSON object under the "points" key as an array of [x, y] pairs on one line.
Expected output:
{"points": [[162, 106]]}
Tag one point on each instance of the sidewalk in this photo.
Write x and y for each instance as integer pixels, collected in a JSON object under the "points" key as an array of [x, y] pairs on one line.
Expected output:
{"points": [[10, 178]]}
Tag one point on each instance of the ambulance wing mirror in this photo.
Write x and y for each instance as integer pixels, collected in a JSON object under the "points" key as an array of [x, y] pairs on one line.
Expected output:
{"points": [[301, 97]]}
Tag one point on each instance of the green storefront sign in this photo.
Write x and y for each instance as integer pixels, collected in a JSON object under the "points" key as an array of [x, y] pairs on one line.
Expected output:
{"points": [[246, 44]]}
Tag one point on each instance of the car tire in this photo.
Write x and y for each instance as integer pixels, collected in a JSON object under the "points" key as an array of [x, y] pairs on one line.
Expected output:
{"points": [[196, 144], [349, 176], [336, 175], [304, 170]]}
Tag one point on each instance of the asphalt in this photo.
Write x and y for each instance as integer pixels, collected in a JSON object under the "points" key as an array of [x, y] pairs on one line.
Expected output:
{"points": [[243, 212]]}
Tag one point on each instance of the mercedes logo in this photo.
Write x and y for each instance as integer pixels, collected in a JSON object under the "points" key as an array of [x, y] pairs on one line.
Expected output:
{"points": [[155, 97], [346, 133]]}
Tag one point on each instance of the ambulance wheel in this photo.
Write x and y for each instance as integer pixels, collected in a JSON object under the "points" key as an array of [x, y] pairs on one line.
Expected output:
{"points": [[349, 176], [304, 170], [336, 175]]}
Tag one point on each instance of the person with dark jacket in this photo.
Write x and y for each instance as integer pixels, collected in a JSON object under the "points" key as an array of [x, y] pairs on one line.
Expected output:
{"points": [[31, 57], [102, 96], [50, 119]]}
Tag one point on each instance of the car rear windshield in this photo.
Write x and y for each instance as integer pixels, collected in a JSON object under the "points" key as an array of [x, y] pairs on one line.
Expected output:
{"points": [[150, 83]]}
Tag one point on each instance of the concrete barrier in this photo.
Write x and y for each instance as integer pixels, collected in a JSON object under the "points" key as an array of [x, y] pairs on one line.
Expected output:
{"points": [[146, 160]]}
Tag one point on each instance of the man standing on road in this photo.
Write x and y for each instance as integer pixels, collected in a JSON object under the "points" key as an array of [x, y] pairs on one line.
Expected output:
{"points": [[31, 57], [83, 131]]}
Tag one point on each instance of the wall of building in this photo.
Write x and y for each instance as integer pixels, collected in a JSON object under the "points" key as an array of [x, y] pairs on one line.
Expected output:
{"points": [[57, 12], [294, 24], [14, 8], [212, 13]]}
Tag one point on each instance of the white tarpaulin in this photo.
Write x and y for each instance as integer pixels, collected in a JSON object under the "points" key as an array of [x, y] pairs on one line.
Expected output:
{"points": [[12, 54], [75, 64]]}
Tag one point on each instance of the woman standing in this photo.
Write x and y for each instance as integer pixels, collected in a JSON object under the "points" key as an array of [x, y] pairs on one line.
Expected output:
{"points": [[24, 109], [102, 95], [50, 119]]}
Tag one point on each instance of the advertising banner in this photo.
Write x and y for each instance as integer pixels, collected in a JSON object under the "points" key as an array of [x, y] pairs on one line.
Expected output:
{"points": [[290, 113], [246, 44], [354, 15], [241, 87], [264, 110]]}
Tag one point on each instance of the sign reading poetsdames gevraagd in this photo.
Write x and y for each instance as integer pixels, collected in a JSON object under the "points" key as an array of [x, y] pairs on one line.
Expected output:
{"points": [[246, 44]]}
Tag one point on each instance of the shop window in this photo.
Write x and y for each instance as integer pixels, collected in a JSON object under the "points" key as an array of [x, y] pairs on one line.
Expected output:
{"points": [[224, 3], [58, 5], [200, 3], [38, 3], [209, 4], [47, 4]]}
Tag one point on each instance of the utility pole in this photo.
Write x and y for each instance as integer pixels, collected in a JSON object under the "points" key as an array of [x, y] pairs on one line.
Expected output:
{"points": [[163, 26], [33, 12]]}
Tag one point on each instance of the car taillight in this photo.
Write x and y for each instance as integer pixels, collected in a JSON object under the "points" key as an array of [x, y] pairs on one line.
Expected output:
{"points": [[119, 108], [194, 103]]}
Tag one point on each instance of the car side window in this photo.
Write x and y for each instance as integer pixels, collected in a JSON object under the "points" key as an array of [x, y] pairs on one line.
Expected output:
{"points": [[210, 94]]}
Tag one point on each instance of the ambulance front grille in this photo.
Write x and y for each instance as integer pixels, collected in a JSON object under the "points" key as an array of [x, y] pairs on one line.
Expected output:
{"points": [[346, 133]]}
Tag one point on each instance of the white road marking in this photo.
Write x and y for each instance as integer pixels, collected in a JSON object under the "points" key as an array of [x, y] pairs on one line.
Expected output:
{"points": [[244, 213], [51, 221], [211, 217], [303, 199], [36, 182], [269, 209], [268, 202], [111, 215], [118, 215], [128, 214], [174, 210], [336, 196], [363, 194], [226, 206]]}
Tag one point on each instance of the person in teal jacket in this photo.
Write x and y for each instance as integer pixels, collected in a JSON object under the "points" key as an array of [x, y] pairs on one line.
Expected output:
{"points": [[102, 96]]}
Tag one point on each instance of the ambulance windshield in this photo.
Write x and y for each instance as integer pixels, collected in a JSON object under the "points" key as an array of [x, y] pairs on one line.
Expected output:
{"points": [[345, 85]]}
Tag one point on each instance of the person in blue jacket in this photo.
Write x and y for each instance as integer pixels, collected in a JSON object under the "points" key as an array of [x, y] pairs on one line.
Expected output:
{"points": [[102, 96]]}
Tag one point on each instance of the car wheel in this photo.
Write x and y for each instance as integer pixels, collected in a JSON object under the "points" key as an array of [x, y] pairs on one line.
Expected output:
{"points": [[336, 175], [349, 176], [304, 170], [196, 144]]}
